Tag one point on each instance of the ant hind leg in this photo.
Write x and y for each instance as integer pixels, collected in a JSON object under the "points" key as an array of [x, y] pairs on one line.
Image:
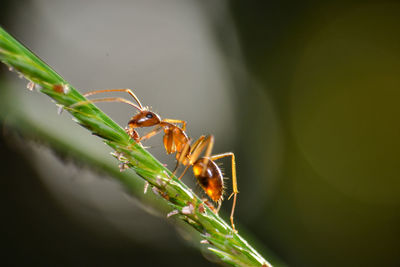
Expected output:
{"points": [[234, 182]]}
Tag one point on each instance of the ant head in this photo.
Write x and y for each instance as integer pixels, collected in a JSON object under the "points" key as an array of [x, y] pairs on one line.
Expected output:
{"points": [[144, 118]]}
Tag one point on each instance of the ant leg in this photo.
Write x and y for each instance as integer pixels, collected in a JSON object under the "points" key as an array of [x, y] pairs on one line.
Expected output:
{"points": [[150, 134], [189, 153], [194, 152], [219, 206], [199, 146], [176, 121], [196, 144], [234, 182], [129, 91], [132, 134], [184, 171], [181, 158], [176, 167], [203, 143], [210, 205]]}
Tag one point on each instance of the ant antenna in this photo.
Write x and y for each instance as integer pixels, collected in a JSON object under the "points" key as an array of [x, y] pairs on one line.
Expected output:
{"points": [[107, 99], [129, 91]]}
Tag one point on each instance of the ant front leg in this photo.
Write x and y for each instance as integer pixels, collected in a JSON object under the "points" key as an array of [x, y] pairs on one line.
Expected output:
{"points": [[133, 134], [150, 134]]}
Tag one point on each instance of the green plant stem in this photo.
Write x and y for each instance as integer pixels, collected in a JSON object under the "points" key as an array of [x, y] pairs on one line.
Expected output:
{"points": [[229, 246]]}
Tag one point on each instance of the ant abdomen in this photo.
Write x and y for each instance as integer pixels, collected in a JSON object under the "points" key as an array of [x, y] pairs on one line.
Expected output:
{"points": [[210, 178]]}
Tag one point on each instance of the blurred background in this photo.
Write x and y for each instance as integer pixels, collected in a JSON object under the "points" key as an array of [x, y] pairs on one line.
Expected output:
{"points": [[305, 94]]}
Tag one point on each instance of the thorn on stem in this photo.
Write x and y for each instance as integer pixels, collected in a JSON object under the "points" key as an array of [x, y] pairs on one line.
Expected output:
{"points": [[30, 86], [123, 166], [155, 191], [160, 182], [146, 186], [60, 109], [201, 208], [189, 209], [119, 155], [172, 213]]}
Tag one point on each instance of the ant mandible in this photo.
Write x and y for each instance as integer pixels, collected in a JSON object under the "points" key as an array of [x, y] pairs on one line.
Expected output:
{"points": [[206, 171]]}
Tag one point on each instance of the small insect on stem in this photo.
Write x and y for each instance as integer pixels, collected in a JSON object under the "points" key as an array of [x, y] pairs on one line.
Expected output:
{"points": [[206, 171]]}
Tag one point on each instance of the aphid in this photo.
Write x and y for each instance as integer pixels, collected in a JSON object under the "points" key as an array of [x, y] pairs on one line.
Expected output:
{"points": [[175, 137], [207, 172]]}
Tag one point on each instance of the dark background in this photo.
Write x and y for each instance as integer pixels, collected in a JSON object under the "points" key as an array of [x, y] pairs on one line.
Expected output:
{"points": [[316, 97]]}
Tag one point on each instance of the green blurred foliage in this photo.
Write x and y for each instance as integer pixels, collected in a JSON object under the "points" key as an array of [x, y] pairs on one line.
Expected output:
{"points": [[331, 71]]}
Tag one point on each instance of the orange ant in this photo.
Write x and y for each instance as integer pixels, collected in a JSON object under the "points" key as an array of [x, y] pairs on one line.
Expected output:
{"points": [[206, 171]]}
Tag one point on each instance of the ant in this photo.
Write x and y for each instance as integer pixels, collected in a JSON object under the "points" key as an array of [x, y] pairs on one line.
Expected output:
{"points": [[206, 171]]}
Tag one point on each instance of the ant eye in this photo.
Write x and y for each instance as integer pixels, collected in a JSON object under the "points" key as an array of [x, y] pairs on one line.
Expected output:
{"points": [[149, 115]]}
